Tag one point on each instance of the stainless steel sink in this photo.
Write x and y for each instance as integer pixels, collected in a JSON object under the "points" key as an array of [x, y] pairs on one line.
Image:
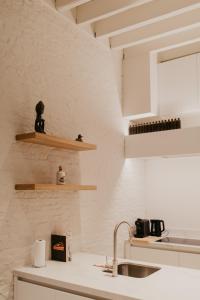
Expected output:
{"points": [[135, 270]]}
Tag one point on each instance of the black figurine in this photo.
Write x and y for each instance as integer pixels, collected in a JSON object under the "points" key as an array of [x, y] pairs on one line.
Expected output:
{"points": [[39, 122], [79, 138]]}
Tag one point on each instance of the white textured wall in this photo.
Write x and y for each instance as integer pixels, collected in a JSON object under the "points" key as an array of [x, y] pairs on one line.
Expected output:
{"points": [[172, 193], [119, 197], [43, 56]]}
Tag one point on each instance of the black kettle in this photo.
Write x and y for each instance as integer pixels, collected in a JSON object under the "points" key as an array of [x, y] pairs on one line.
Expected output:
{"points": [[157, 227]]}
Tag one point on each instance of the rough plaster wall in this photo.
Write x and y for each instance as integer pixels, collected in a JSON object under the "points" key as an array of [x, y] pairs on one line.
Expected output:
{"points": [[43, 56], [119, 197], [52, 3]]}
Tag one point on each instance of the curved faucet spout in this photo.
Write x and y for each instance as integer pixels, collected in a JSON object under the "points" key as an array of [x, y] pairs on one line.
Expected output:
{"points": [[115, 263]]}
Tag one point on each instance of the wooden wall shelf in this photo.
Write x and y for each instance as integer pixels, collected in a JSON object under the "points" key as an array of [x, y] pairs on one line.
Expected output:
{"points": [[53, 141], [54, 187]]}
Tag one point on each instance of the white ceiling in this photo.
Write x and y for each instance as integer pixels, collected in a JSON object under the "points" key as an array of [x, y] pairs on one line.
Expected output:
{"points": [[140, 25]]}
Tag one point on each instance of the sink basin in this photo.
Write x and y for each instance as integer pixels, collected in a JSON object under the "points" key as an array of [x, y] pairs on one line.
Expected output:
{"points": [[135, 270]]}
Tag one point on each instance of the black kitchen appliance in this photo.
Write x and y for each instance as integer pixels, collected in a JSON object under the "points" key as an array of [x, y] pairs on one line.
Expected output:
{"points": [[142, 228], [157, 227]]}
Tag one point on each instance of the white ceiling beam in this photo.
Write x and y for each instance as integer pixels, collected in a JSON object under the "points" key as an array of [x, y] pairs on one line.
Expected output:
{"points": [[100, 9], [64, 5], [156, 30], [167, 42], [178, 52], [142, 15]]}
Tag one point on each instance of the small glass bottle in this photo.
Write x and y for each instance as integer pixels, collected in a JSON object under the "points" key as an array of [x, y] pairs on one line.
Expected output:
{"points": [[130, 128], [60, 176], [179, 123]]}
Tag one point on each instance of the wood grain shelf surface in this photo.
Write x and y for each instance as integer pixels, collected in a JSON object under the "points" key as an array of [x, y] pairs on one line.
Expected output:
{"points": [[53, 141], [147, 239], [54, 187]]}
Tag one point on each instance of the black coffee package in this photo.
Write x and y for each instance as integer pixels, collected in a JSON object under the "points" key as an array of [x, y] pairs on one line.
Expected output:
{"points": [[58, 247]]}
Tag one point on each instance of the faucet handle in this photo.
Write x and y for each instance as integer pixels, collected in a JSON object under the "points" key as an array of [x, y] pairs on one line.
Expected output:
{"points": [[107, 264], [131, 232]]}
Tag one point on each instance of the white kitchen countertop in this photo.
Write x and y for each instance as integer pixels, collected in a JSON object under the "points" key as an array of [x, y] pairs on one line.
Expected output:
{"points": [[80, 275], [167, 246]]}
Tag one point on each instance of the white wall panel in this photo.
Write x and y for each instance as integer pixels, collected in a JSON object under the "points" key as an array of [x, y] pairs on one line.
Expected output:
{"points": [[178, 86]]}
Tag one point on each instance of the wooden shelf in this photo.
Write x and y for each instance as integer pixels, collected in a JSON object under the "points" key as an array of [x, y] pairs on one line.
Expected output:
{"points": [[170, 143], [53, 141], [54, 187]]}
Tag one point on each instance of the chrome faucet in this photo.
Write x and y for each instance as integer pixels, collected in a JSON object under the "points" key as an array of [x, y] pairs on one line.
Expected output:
{"points": [[115, 263]]}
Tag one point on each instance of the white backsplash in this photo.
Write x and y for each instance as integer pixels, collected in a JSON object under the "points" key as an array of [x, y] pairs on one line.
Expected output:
{"points": [[184, 233], [172, 193]]}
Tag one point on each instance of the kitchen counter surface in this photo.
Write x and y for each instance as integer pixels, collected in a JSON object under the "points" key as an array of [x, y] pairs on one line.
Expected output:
{"points": [[80, 275], [166, 246]]}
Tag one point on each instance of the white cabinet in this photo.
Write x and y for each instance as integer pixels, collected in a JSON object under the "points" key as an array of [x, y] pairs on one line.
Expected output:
{"points": [[189, 260], [178, 85], [161, 256], [154, 256], [166, 89], [29, 291], [136, 85], [66, 296]]}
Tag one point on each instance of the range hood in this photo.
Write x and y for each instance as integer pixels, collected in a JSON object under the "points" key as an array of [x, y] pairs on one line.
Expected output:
{"points": [[171, 143]]}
